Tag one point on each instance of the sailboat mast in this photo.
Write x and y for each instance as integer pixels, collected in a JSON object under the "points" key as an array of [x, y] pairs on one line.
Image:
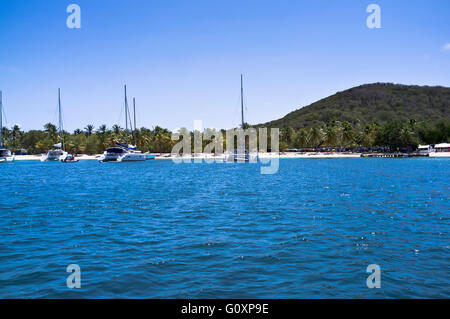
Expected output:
{"points": [[242, 101], [126, 115], [61, 132], [134, 115], [1, 119]]}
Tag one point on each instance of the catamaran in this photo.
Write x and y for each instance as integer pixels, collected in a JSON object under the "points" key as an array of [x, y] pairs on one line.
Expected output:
{"points": [[5, 154], [124, 152], [57, 154], [238, 155]]}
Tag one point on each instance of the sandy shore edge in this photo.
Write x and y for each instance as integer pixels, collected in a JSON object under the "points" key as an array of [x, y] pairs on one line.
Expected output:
{"points": [[203, 156]]}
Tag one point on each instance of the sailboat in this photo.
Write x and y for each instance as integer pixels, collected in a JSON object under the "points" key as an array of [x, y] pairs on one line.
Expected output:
{"points": [[5, 154], [124, 152], [237, 155], [57, 154]]}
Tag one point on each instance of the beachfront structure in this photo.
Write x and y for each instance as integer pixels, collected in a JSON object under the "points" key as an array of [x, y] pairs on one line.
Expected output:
{"points": [[441, 150]]}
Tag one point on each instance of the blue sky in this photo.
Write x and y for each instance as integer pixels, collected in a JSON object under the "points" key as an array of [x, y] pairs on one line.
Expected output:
{"points": [[182, 59]]}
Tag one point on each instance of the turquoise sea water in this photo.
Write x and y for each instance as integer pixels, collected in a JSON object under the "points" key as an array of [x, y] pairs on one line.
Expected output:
{"points": [[162, 230]]}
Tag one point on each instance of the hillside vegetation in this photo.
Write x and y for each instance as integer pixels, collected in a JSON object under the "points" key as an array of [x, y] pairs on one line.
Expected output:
{"points": [[373, 103]]}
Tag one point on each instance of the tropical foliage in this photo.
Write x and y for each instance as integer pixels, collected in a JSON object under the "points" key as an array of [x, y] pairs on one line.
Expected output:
{"points": [[394, 134], [375, 115], [379, 103]]}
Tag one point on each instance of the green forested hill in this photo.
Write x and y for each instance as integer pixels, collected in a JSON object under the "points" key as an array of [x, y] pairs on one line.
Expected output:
{"points": [[379, 103]]}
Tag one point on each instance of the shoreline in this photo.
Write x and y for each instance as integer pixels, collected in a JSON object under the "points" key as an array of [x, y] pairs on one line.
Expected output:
{"points": [[168, 156]]}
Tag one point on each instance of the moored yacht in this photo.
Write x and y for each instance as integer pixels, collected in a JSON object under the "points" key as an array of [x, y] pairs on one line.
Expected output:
{"points": [[112, 154], [241, 154], [5, 154], [54, 155], [124, 152], [57, 154]]}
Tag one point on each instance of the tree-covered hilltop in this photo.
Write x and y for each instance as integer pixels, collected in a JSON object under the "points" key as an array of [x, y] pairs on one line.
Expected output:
{"points": [[372, 103]]}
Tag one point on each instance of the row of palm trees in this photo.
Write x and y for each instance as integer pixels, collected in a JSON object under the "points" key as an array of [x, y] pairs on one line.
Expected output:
{"points": [[92, 140], [394, 134]]}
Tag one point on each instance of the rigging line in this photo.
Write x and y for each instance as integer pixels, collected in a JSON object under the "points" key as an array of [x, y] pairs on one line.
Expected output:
{"points": [[129, 118], [4, 116]]}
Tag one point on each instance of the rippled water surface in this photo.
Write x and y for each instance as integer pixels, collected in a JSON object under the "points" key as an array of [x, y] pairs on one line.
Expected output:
{"points": [[162, 230]]}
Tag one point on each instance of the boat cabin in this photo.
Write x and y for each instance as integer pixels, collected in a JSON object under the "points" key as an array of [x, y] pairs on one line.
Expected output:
{"points": [[443, 147], [4, 152], [115, 150], [424, 149]]}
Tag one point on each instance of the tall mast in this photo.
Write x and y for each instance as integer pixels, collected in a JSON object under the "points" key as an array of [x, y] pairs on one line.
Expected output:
{"points": [[242, 101], [126, 115], [134, 115], [1, 119], [61, 132]]}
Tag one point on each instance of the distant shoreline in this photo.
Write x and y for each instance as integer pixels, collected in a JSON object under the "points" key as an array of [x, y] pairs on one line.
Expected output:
{"points": [[168, 156]]}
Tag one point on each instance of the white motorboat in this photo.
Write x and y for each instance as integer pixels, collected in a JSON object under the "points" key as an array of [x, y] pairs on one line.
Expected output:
{"points": [[425, 150], [441, 150]]}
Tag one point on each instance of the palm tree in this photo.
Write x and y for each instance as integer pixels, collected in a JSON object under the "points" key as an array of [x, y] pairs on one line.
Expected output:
{"points": [[102, 129], [102, 136], [116, 129], [89, 129], [407, 137], [15, 132], [315, 136], [51, 131], [347, 133], [331, 136], [302, 138], [287, 134]]}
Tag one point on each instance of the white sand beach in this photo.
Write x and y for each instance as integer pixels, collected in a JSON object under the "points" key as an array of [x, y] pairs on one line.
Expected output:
{"points": [[162, 156]]}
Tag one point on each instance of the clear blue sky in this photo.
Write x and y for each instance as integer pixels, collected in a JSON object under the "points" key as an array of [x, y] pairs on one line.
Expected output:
{"points": [[182, 59]]}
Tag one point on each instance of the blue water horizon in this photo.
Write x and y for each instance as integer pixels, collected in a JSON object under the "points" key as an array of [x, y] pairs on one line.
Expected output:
{"points": [[163, 230]]}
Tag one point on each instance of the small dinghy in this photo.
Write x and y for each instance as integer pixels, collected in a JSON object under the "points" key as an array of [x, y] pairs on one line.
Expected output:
{"points": [[69, 159]]}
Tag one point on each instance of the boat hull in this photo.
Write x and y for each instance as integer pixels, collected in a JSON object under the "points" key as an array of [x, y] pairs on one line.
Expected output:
{"points": [[439, 154], [132, 157], [241, 158], [53, 156]]}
